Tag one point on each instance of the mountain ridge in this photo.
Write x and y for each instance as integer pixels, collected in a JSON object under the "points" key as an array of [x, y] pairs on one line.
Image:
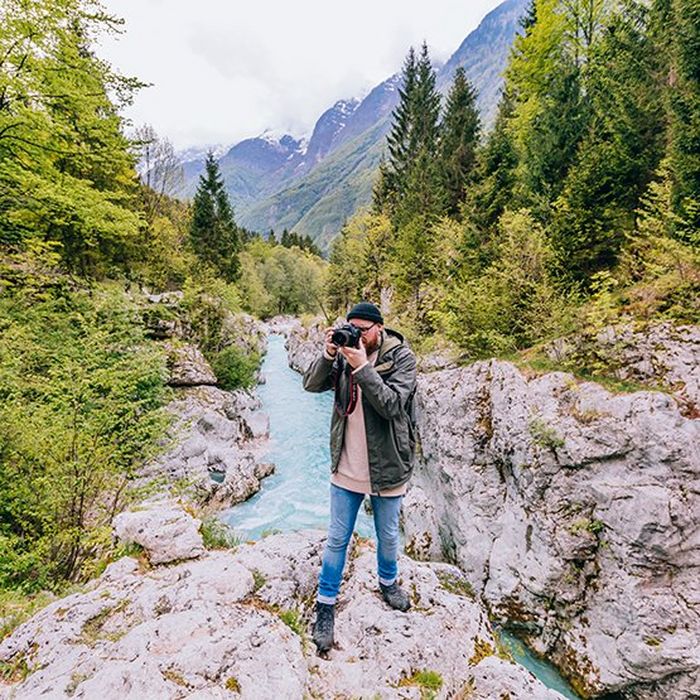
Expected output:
{"points": [[273, 184]]}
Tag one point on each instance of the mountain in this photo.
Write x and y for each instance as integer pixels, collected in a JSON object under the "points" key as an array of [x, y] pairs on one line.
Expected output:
{"points": [[313, 188]]}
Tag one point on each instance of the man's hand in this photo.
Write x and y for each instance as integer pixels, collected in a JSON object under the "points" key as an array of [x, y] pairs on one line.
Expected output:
{"points": [[330, 347], [356, 357]]}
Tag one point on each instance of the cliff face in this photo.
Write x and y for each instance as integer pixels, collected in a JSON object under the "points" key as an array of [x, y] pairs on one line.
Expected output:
{"points": [[575, 513], [572, 511]]}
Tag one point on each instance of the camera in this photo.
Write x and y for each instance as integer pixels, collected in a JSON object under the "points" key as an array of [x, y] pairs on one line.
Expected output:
{"points": [[347, 335]]}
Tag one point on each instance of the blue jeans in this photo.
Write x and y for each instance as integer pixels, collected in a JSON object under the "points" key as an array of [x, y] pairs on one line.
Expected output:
{"points": [[344, 507]]}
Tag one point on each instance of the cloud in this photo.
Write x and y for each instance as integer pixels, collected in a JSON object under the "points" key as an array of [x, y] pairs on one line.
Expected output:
{"points": [[223, 71]]}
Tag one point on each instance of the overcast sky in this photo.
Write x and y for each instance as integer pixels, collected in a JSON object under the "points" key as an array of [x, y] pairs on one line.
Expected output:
{"points": [[223, 71]]}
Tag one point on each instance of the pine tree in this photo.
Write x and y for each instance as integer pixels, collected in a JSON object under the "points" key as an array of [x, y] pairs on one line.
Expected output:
{"points": [[459, 136], [493, 191], [549, 108], [392, 181], [213, 233], [530, 17], [684, 108], [421, 195], [621, 151]]}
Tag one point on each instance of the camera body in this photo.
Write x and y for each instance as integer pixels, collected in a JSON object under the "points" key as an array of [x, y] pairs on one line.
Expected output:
{"points": [[347, 335]]}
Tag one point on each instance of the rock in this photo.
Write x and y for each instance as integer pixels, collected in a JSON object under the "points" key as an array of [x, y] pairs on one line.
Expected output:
{"points": [[660, 353], [243, 331], [217, 439], [434, 361], [574, 512], [305, 344], [188, 367], [167, 533], [282, 324], [171, 299], [238, 622]]}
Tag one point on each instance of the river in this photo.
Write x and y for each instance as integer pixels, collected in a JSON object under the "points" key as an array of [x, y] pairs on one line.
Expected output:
{"points": [[296, 496]]}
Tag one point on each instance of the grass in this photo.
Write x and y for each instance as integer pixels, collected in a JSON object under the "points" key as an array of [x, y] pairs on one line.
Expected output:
{"points": [[218, 535], [92, 630], [454, 583], [259, 580], [545, 436], [586, 525], [482, 649], [293, 620], [16, 607], [233, 685], [428, 681]]}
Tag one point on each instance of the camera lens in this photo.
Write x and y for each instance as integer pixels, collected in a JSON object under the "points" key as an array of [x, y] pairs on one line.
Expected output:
{"points": [[340, 337]]}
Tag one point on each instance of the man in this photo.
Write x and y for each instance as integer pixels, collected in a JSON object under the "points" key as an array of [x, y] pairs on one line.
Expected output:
{"points": [[372, 445]]}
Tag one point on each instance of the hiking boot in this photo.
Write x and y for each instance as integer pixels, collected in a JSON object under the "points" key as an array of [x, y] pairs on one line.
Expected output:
{"points": [[322, 632], [395, 596]]}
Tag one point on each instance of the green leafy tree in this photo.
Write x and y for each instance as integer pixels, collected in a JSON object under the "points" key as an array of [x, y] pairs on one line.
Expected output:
{"points": [[66, 171], [214, 235], [82, 394], [621, 150]]}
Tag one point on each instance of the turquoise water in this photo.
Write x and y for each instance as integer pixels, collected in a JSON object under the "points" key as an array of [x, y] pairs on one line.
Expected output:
{"points": [[296, 496], [546, 673]]}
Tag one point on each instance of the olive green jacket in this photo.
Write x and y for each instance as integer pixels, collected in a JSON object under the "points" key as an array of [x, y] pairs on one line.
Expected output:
{"points": [[387, 389]]}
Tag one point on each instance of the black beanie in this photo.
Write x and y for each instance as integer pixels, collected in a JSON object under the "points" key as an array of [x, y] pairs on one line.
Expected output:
{"points": [[367, 311]]}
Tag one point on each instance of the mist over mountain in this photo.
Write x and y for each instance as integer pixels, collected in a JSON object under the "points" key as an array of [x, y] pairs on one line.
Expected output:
{"points": [[312, 188]]}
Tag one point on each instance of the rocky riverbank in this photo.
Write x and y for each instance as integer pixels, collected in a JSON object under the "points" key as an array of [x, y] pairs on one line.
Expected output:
{"points": [[227, 623], [217, 437], [574, 513]]}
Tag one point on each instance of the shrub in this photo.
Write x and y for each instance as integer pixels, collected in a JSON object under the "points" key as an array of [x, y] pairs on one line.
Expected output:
{"points": [[235, 369]]}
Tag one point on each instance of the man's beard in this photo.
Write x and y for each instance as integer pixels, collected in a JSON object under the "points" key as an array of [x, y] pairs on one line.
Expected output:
{"points": [[373, 345]]}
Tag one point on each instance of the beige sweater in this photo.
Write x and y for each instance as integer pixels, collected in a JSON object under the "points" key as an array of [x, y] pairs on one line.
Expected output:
{"points": [[353, 467]]}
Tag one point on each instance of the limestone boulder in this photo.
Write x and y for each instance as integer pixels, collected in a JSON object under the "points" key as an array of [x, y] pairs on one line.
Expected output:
{"points": [[188, 366], [304, 344], [662, 354], [166, 532]]}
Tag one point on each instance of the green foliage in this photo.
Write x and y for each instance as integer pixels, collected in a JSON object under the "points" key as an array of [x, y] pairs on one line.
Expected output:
{"points": [[17, 606], [280, 280], [359, 261], [81, 394], [233, 685], [293, 620], [544, 435], [213, 233], [409, 178], [617, 157], [235, 369], [216, 534], [208, 301], [293, 239], [681, 30], [514, 302], [456, 583], [66, 171], [459, 136]]}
